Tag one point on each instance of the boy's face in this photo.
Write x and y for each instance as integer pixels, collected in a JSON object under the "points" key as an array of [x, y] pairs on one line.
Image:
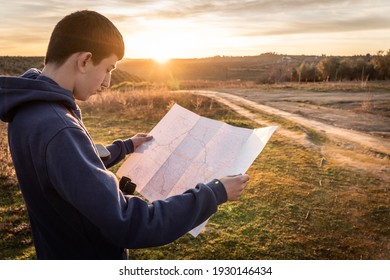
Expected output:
{"points": [[94, 78]]}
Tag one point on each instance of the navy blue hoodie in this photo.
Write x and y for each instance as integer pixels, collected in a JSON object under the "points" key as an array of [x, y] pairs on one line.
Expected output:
{"points": [[75, 207]]}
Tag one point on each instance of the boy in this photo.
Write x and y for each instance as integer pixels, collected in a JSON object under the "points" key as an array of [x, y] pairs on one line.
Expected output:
{"points": [[75, 207]]}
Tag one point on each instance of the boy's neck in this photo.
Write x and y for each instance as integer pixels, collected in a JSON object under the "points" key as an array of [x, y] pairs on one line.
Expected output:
{"points": [[63, 75]]}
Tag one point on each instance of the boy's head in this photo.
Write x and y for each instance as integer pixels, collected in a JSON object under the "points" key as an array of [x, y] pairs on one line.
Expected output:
{"points": [[84, 31]]}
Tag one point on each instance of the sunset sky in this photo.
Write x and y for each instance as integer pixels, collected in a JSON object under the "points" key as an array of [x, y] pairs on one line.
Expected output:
{"points": [[199, 28]]}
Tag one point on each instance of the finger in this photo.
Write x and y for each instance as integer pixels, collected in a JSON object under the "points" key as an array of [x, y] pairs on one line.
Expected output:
{"points": [[236, 175], [143, 136], [148, 137], [245, 178]]}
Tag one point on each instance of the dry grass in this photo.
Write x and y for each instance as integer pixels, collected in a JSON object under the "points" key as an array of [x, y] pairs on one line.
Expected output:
{"points": [[297, 205], [7, 172], [367, 104], [15, 233]]}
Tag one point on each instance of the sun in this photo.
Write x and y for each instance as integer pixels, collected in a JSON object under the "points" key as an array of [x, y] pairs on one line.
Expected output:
{"points": [[161, 57], [161, 46], [164, 41]]}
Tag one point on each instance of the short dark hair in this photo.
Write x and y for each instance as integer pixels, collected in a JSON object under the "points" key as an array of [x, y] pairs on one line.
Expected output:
{"points": [[84, 31]]}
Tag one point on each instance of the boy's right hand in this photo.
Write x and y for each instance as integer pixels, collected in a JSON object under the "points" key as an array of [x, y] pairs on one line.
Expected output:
{"points": [[234, 185]]}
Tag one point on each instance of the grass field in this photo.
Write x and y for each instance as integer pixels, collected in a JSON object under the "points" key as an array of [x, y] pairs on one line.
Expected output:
{"points": [[296, 206]]}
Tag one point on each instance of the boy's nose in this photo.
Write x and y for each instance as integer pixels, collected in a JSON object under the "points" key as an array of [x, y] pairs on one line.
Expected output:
{"points": [[106, 81]]}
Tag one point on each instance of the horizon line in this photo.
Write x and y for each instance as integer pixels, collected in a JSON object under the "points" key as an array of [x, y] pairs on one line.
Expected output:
{"points": [[227, 56]]}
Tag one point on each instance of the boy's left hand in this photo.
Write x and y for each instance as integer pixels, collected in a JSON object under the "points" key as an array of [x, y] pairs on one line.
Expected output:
{"points": [[139, 139]]}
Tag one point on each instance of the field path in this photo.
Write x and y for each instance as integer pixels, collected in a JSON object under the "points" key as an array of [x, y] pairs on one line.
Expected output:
{"points": [[352, 148]]}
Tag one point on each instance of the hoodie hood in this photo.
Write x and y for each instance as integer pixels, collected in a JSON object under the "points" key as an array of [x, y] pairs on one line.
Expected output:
{"points": [[30, 87]]}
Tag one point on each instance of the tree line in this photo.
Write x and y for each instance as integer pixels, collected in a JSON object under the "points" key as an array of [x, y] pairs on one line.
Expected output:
{"points": [[334, 68]]}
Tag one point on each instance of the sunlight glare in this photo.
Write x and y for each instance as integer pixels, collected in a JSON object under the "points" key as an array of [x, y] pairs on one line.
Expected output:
{"points": [[165, 40]]}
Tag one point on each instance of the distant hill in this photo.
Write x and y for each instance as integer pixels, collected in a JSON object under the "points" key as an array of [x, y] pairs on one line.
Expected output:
{"points": [[221, 68], [264, 68], [17, 65], [120, 76]]}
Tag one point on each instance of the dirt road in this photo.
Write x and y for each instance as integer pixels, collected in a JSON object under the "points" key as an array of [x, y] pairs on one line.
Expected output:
{"points": [[351, 148]]}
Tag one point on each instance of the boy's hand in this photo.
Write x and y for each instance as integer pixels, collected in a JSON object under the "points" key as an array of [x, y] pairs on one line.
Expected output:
{"points": [[139, 139], [234, 185]]}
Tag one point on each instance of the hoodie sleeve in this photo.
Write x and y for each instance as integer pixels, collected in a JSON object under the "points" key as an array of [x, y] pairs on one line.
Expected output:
{"points": [[118, 150], [79, 176]]}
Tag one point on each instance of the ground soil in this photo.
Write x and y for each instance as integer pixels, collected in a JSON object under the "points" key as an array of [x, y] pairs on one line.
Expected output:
{"points": [[356, 124], [359, 111]]}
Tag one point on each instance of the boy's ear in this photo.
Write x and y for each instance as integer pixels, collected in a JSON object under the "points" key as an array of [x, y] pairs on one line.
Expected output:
{"points": [[83, 61]]}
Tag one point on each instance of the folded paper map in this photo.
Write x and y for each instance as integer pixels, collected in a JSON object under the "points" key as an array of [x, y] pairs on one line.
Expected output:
{"points": [[188, 149]]}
